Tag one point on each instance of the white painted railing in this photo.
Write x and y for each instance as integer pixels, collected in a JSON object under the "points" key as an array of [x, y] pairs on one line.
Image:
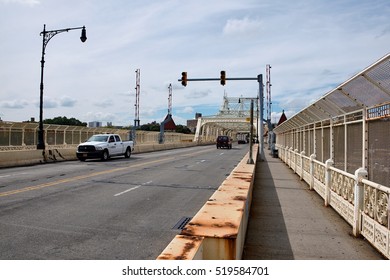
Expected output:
{"points": [[362, 203]]}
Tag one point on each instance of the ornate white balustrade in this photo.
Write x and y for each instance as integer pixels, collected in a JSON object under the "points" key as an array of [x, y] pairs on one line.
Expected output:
{"points": [[362, 203]]}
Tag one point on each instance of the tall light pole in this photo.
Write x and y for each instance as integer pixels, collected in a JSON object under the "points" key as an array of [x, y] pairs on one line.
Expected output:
{"points": [[46, 36]]}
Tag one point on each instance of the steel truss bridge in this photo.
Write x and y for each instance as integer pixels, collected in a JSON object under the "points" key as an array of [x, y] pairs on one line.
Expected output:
{"points": [[233, 119]]}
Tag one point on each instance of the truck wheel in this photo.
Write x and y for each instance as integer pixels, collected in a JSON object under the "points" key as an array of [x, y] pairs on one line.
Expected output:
{"points": [[127, 153], [105, 155]]}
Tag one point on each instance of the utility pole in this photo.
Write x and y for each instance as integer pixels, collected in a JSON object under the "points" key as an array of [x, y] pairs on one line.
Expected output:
{"points": [[136, 105], [268, 89], [269, 102], [170, 99], [161, 137]]}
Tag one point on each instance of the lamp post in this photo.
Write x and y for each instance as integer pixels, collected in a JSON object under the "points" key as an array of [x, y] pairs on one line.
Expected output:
{"points": [[46, 36]]}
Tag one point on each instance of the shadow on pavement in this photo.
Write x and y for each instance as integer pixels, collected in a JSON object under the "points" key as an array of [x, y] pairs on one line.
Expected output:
{"points": [[267, 236]]}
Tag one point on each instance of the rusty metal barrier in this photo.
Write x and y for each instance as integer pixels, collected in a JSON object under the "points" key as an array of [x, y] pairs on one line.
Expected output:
{"points": [[217, 231]]}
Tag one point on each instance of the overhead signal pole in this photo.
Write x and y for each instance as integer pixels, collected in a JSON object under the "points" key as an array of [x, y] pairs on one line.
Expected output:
{"points": [[223, 80]]}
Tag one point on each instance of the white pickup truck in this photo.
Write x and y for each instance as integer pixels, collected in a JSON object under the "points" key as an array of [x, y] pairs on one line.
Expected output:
{"points": [[104, 146]]}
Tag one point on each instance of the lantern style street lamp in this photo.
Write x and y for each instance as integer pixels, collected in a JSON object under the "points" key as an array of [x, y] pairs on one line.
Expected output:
{"points": [[46, 36]]}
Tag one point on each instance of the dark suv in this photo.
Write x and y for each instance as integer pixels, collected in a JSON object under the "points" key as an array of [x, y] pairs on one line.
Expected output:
{"points": [[224, 142]]}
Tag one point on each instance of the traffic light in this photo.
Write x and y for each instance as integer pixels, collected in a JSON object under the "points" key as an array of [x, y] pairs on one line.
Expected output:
{"points": [[184, 78], [223, 78]]}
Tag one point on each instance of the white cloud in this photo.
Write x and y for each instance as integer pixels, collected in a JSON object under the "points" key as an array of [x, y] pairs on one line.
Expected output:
{"points": [[186, 110], [67, 101], [23, 2], [105, 103], [245, 26], [50, 103], [100, 116], [14, 104], [197, 94]]}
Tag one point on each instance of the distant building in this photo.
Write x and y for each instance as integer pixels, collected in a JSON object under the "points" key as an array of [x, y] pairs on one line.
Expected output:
{"points": [[191, 124], [169, 124], [94, 124], [282, 119]]}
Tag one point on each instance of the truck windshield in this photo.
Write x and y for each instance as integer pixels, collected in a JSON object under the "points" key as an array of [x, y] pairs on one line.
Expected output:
{"points": [[98, 138]]}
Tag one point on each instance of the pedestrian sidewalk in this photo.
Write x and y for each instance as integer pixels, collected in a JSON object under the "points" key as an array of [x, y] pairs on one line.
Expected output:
{"points": [[289, 222]]}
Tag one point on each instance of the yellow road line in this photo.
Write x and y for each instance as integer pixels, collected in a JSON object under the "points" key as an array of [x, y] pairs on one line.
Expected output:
{"points": [[58, 182]]}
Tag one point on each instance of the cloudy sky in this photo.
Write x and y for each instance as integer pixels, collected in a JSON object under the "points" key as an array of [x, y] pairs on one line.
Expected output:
{"points": [[312, 46]]}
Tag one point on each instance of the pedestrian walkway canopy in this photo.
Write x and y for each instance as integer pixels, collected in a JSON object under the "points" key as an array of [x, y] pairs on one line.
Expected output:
{"points": [[368, 89], [350, 125]]}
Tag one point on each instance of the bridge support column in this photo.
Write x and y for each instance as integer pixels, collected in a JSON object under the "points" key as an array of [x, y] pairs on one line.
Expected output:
{"points": [[360, 173], [328, 180]]}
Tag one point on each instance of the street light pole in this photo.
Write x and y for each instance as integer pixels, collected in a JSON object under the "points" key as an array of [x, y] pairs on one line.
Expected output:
{"points": [[261, 124], [46, 36], [250, 160]]}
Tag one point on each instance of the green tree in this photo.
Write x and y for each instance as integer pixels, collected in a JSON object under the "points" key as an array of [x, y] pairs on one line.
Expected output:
{"points": [[183, 129], [153, 126], [64, 121]]}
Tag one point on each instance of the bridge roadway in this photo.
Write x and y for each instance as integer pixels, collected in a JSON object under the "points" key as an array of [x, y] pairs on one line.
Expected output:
{"points": [[117, 209], [290, 222]]}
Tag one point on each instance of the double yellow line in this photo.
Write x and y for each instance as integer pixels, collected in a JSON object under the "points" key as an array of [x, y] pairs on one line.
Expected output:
{"points": [[72, 179]]}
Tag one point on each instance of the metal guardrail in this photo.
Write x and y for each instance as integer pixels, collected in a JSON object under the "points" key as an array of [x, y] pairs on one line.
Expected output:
{"points": [[362, 203]]}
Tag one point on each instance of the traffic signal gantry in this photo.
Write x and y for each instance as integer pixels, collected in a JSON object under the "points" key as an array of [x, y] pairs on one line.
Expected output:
{"points": [[223, 78], [184, 79]]}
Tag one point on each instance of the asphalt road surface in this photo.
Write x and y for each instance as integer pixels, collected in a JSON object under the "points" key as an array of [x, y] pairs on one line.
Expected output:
{"points": [[117, 209]]}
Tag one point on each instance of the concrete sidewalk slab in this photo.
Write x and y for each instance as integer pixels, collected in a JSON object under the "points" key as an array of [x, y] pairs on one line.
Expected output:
{"points": [[290, 222]]}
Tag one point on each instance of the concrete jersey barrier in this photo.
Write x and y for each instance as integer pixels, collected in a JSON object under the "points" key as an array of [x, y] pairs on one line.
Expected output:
{"points": [[217, 231], [15, 158]]}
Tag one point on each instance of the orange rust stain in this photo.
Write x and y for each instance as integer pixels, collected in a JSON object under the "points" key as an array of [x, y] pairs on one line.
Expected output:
{"points": [[165, 257], [231, 225], [187, 231], [187, 248], [211, 203], [194, 238], [241, 198], [194, 224], [230, 236], [217, 225], [244, 179]]}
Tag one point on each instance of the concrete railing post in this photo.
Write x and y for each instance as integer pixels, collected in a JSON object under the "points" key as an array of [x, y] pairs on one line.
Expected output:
{"points": [[312, 158], [295, 160], [302, 169], [360, 173], [328, 180], [285, 154]]}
